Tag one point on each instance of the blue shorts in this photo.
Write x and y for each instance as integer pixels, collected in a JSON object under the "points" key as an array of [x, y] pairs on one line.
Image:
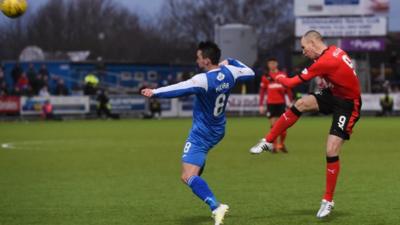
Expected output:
{"points": [[195, 152]]}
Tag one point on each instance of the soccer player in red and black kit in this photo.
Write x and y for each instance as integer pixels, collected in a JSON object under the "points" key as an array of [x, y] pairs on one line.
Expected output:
{"points": [[342, 98], [276, 102]]}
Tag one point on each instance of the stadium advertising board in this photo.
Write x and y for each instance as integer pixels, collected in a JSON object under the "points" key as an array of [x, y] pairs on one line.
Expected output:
{"points": [[247, 103], [371, 102], [342, 26], [9, 104], [61, 105], [363, 44], [241, 103], [340, 7], [126, 103], [169, 107]]}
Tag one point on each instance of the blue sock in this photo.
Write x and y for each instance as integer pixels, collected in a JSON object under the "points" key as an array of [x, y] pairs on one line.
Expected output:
{"points": [[201, 189]]}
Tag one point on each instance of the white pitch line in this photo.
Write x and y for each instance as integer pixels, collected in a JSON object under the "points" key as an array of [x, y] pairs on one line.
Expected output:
{"points": [[38, 144], [8, 145]]}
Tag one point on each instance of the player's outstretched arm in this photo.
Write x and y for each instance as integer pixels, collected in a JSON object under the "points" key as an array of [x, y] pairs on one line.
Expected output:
{"points": [[238, 69], [194, 85], [318, 68], [289, 82]]}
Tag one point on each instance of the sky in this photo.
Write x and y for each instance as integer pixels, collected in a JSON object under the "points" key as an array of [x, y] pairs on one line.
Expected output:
{"points": [[147, 8], [394, 15], [142, 7]]}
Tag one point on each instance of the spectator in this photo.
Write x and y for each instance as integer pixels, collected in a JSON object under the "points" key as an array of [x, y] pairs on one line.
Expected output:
{"points": [[386, 103], [48, 113], [155, 109], [45, 79], [61, 89], [103, 105], [43, 70], [31, 72], [16, 73], [44, 92], [3, 89], [3, 84], [23, 84], [91, 84], [37, 84], [1, 74], [16, 91]]}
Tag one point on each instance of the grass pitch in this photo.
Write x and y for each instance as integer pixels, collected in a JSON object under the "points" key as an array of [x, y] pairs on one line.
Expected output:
{"points": [[127, 172]]}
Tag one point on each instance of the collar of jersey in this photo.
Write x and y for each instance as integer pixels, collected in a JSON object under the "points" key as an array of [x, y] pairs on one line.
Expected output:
{"points": [[213, 70], [323, 52]]}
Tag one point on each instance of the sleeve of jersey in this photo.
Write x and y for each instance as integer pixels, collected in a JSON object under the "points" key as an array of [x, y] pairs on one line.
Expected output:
{"points": [[239, 70], [263, 90], [317, 69], [194, 85], [289, 93], [262, 96]]}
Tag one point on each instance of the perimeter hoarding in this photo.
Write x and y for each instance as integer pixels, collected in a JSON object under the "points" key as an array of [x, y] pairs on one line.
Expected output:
{"points": [[61, 105], [341, 7], [342, 26]]}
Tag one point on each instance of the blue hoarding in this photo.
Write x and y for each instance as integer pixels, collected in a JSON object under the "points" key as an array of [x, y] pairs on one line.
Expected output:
{"points": [[342, 2]]}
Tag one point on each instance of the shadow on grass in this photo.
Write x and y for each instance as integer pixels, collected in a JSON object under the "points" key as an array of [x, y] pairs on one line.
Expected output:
{"points": [[333, 216], [197, 220], [311, 214]]}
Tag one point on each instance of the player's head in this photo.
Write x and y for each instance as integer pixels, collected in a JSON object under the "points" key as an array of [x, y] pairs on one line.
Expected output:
{"points": [[312, 44], [272, 64], [208, 54]]}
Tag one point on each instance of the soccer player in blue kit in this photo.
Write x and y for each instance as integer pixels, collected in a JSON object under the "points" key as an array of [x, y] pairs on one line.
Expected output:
{"points": [[212, 90]]}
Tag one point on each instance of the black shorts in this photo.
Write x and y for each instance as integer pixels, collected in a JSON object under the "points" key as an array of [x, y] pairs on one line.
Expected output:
{"points": [[275, 110], [345, 112]]}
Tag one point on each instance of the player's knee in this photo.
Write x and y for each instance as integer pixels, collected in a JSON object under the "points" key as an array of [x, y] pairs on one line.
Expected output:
{"points": [[306, 104], [300, 105], [184, 178], [332, 151]]}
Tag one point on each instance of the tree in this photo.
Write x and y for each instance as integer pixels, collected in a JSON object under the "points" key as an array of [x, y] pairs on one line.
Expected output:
{"points": [[193, 21], [102, 26], [107, 29]]}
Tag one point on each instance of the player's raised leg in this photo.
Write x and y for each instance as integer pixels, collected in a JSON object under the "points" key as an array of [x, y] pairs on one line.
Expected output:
{"points": [[286, 120], [334, 144]]}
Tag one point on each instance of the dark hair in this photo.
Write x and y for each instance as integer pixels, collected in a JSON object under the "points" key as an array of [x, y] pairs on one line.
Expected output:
{"points": [[210, 50], [272, 59]]}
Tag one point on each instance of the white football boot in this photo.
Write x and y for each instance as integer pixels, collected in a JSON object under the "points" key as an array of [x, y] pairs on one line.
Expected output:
{"points": [[261, 146], [326, 208], [219, 213]]}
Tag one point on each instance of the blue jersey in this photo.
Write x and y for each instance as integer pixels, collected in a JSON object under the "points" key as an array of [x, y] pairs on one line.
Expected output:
{"points": [[212, 90]]}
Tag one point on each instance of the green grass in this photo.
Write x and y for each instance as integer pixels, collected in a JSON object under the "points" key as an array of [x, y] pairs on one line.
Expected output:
{"points": [[127, 172]]}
